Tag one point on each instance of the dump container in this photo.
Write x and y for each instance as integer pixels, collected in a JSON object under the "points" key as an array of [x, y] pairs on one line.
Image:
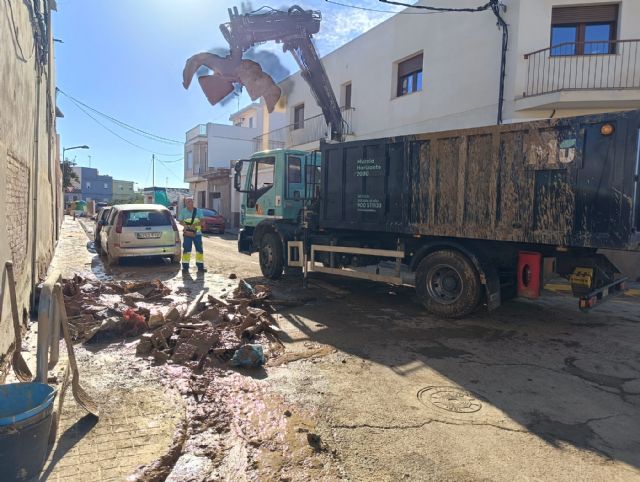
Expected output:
{"points": [[566, 182], [25, 423]]}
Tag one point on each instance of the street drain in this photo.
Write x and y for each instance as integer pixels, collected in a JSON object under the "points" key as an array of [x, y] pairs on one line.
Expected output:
{"points": [[451, 399]]}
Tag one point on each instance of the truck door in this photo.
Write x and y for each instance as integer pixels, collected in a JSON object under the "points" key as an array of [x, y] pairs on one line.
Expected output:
{"points": [[261, 196]]}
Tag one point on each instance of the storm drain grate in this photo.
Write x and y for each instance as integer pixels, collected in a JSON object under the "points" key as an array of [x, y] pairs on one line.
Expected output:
{"points": [[451, 399]]}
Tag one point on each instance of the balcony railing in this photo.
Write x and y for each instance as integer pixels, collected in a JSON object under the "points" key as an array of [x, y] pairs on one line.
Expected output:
{"points": [[584, 65], [313, 129]]}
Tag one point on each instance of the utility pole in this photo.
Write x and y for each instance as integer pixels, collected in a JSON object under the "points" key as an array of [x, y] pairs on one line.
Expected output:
{"points": [[153, 170]]}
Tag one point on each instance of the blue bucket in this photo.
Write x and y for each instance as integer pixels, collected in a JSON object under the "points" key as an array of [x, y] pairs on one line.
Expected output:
{"points": [[25, 425]]}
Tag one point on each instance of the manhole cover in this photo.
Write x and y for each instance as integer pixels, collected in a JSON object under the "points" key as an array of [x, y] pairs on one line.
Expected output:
{"points": [[450, 399]]}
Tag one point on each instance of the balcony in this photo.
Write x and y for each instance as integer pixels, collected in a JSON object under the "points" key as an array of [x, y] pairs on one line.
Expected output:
{"points": [[607, 74], [313, 129]]}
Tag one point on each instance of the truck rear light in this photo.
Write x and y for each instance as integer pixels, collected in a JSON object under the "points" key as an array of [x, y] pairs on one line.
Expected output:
{"points": [[119, 223]]}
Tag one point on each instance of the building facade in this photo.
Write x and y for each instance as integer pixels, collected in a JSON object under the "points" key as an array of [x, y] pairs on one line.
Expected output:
{"points": [[30, 174], [123, 192], [422, 73], [90, 186], [210, 150]]}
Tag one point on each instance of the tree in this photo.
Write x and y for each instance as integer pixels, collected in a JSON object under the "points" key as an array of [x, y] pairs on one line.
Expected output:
{"points": [[68, 175]]}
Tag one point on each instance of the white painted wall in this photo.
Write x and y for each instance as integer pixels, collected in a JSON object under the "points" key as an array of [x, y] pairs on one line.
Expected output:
{"points": [[227, 143]]}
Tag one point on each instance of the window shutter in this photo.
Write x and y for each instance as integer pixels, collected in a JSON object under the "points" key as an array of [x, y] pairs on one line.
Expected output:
{"points": [[410, 65], [584, 14]]}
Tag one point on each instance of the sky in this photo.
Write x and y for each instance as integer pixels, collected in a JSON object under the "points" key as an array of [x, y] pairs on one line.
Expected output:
{"points": [[124, 58]]}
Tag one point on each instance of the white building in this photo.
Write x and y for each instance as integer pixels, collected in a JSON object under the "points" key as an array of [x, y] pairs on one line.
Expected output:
{"points": [[209, 152], [420, 73]]}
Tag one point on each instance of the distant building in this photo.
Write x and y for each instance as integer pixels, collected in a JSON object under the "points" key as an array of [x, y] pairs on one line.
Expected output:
{"points": [[90, 186], [209, 151], [123, 191]]}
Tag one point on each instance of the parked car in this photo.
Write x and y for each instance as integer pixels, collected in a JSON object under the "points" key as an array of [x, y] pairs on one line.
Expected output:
{"points": [[139, 230], [101, 220], [212, 221]]}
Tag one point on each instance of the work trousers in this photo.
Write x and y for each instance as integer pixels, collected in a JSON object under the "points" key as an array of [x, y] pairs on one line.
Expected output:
{"points": [[187, 244]]}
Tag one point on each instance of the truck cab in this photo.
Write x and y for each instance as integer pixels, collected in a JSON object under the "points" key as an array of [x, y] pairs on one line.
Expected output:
{"points": [[276, 185]]}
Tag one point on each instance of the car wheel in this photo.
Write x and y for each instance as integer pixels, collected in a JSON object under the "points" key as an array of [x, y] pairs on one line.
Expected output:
{"points": [[271, 257], [222, 231], [448, 284]]}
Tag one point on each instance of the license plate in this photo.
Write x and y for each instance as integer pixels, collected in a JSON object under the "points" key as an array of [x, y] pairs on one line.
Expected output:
{"points": [[148, 235]]}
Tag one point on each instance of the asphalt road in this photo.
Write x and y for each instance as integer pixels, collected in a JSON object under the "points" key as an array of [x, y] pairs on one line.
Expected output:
{"points": [[531, 391]]}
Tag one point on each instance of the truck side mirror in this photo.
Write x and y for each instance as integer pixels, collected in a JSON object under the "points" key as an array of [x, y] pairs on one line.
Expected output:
{"points": [[238, 166], [237, 177]]}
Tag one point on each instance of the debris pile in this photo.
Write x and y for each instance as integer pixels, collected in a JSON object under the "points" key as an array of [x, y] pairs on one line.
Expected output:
{"points": [[240, 331], [101, 311]]}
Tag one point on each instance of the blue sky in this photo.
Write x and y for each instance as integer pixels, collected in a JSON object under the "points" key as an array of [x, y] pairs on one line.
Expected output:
{"points": [[125, 58]]}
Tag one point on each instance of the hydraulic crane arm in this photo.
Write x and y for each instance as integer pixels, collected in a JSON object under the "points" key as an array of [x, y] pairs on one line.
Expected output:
{"points": [[293, 28]]}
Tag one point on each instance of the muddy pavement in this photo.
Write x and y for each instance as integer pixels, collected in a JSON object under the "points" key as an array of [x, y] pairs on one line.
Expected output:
{"points": [[385, 392]]}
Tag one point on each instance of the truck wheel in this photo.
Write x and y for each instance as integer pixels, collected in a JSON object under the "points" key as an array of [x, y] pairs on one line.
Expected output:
{"points": [[271, 258], [448, 284]]}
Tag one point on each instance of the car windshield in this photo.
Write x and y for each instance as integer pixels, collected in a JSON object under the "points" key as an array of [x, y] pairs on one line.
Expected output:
{"points": [[209, 212], [132, 219]]}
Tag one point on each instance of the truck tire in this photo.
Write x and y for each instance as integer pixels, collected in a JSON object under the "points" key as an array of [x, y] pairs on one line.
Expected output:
{"points": [[448, 284], [271, 256]]}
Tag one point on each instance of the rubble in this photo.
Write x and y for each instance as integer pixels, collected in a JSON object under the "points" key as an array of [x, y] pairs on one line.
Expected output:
{"points": [[211, 332]]}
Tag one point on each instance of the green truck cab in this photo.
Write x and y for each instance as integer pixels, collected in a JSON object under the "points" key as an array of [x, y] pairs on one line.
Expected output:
{"points": [[277, 186]]}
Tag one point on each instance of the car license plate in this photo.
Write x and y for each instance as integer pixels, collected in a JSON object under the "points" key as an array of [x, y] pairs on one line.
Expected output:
{"points": [[148, 235]]}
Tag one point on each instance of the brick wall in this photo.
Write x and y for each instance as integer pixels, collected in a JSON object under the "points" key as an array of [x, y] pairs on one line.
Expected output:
{"points": [[17, 211]]}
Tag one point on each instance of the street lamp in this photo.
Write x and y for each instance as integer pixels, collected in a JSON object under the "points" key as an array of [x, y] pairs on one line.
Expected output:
{"points": [[65, 149]]}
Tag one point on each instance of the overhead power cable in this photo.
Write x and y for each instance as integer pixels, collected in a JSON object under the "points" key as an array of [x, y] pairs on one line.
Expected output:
{"points": [[391, 12], [122, 124], [481, 8], [118, 135]]}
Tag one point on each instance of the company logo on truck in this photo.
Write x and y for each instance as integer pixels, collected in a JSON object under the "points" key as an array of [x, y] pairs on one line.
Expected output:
{"points": [[368, 167]]}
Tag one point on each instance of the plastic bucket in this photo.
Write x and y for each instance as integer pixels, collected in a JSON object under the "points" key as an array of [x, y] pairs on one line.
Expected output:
{"points": [[25, 424]]}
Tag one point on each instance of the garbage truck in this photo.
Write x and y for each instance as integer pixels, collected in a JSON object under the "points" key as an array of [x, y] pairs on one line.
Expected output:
{"points": [[469, 217]]}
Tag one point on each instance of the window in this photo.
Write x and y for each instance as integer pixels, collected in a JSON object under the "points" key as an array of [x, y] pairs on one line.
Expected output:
{"points": [[346, 95], [135, 219], [250, 122], [410, 75], [298, 117], [294, 168], [106, 186], [88, 185], [586, 30], [294, 177], [189, 160], [262, 179]]}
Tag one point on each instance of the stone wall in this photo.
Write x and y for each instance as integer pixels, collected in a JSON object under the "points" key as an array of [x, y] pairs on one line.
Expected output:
{"points": [[30, 177]]}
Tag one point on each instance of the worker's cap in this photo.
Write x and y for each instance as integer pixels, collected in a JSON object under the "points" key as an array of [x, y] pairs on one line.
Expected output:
{"points": [[189, 198]]}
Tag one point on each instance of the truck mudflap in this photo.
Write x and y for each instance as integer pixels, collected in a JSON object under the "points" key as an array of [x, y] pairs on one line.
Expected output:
{"points": [[245, 241], [600, 295]]}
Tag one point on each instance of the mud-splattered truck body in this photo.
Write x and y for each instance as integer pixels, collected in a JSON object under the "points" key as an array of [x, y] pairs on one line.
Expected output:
{"points": [[468, 216]]}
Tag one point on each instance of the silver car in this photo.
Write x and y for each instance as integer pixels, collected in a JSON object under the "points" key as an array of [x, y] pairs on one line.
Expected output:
{"points": [[139, 230]]}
